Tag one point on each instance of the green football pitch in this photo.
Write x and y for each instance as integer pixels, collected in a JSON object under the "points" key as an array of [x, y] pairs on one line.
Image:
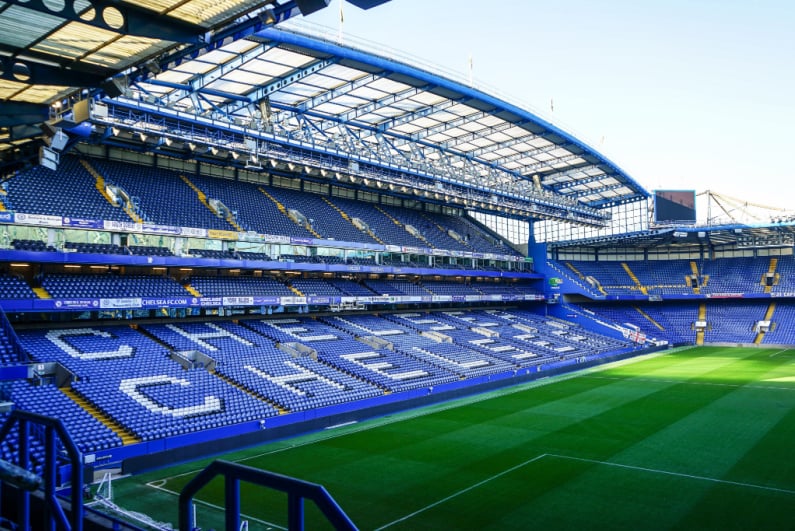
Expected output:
{"points": [[700, 438]]}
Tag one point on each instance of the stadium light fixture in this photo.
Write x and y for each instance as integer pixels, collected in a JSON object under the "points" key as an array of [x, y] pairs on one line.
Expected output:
{"points": [[268, 16]]}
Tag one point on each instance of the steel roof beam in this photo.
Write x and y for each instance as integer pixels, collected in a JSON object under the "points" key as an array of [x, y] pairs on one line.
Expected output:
{"points": [[345, 88], [533, 168], [507, 143], [137, 21], [532, 153], [421, 113], [413, 137], [259, 93], [562, 187], [198, 82], [357, 112], [31, 68], [589, 191], [568, 171], [463, 139], [13, 113], [446, 126]]}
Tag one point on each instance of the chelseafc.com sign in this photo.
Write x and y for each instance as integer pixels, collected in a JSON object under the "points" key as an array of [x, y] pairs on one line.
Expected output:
{"points": [[555, 282]]}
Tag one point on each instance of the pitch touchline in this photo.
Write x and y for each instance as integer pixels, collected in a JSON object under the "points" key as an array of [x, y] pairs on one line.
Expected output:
{"points": [[460, 492], [377, 423], [669, 473], [687, 382], [213, 506]]}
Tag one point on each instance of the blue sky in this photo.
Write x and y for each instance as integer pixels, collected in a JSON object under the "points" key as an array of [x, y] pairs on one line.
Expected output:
{"points": [[696, 95]]}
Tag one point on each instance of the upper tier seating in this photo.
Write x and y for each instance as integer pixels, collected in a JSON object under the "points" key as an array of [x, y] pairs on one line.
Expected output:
{"points": [[253, 209], [384, 228], [674, 277], [165, 199], [324, 218], [69, 191]]}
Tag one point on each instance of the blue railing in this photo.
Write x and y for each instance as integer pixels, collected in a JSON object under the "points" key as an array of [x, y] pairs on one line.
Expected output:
{"points": [[56, 438], [297, 491]]}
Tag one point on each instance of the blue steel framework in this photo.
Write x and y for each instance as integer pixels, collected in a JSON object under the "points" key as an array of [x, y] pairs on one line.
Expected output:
{"points": [[263, 93]]}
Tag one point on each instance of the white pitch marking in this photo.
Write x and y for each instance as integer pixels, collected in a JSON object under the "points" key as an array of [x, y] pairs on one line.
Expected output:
{"points": [[213, 506], [464, 401], [460, 492], [690, 382], [678, 474]]}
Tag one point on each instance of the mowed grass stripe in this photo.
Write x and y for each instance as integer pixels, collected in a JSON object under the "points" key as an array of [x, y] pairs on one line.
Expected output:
{"points": [[411, 463], [384, 474], [769, 460]]}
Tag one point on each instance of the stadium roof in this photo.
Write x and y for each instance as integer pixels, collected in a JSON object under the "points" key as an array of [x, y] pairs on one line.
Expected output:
{"points": [[249, 88], [777, 234]]}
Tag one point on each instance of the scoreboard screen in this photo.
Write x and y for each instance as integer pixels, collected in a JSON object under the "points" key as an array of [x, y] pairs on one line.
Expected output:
{"points": [[674, 206]]}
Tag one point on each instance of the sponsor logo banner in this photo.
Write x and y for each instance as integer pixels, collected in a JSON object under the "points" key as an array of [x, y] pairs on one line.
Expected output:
{"points": [[165, 302], [123, 226], [76, 304], [237, 301], [192, 231], [222, 234], [38, 219], [82, 223], [130, 302], [161, 229]]}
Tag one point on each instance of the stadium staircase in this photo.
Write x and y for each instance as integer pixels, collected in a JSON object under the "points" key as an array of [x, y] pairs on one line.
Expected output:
{"points": [[129, 209], [582, 277], [435, 223], [694, 269], [190, 289], [649, 318], [702, 316], [634, 278], [41, 293], [278, 407], [283, 210], [760, 336], [347, 218], [771, 272], [295, 290], [203, 199], [418, 235], [125, 436]]}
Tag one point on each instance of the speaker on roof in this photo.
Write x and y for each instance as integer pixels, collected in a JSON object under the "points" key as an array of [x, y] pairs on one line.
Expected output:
{"points": [[59, 140], [310, 6], [80, 111], [115, 86]]}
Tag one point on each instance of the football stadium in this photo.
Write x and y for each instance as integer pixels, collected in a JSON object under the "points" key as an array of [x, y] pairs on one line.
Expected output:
{"points": [[256, 277]]}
